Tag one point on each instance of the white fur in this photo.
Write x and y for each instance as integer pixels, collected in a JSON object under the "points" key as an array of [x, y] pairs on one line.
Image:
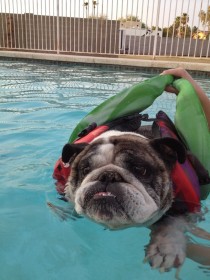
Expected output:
{"points": [[107, 150], [110, 133]]}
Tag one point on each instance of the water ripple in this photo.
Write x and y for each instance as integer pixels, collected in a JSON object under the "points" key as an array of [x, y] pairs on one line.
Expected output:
{"points": [[40, 104]]}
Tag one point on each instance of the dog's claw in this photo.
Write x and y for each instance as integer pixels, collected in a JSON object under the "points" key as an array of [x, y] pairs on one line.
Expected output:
{"points": [[162, 269], [177, 273], [63, 213], [145, 260]]}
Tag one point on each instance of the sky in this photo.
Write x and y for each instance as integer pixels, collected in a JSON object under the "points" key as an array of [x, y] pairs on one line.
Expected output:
{"points": [[151, 12]]}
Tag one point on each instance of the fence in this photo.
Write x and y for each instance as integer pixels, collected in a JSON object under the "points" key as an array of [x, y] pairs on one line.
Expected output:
{"points": [[107, 27]]}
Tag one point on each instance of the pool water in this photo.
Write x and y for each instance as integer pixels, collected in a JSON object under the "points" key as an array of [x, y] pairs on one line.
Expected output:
{"points": [[40, 104]]}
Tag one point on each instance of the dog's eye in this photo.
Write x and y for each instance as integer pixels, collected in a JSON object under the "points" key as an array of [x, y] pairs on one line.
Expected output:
{"points": [[141, 171], [85, 170]]}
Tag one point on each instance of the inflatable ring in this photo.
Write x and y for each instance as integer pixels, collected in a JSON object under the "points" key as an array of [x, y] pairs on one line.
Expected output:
{"points": [[190, 119], [192, 126], [129, 101]]}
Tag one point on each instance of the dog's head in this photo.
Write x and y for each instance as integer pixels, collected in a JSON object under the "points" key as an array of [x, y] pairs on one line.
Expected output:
{"points": [[122, 179]]}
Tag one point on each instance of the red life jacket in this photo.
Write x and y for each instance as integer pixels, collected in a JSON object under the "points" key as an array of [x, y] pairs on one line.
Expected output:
{"points": [[185, 181]]}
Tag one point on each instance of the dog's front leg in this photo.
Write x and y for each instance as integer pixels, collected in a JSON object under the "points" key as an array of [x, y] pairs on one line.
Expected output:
{"points": [[167, 247]]}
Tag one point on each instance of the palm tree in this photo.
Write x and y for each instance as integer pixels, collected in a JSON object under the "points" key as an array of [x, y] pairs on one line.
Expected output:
{"points": [[86, 6], [180, 25], [205, 17], [184, 29], [184, 19], [94, 7]]}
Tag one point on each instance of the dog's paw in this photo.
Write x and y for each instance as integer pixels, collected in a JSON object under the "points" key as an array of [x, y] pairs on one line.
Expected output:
{"points": [[166, 251]]}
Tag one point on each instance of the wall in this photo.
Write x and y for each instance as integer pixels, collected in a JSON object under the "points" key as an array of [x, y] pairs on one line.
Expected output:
{"points": [[166, 46], [35, 32]]}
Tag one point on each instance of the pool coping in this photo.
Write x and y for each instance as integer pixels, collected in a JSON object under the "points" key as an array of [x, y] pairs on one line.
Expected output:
{"points": [[118, 60]]}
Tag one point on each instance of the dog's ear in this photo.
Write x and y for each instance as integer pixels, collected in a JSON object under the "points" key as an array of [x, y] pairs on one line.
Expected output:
{"points": [[170, 149], [71, 150]]}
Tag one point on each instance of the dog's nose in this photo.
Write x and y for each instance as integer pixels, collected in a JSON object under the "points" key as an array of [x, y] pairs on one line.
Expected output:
{"points": [[110, 177]]}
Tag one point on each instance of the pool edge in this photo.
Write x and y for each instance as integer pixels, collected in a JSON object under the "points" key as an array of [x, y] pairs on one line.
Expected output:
{"points": [[118, 61]]}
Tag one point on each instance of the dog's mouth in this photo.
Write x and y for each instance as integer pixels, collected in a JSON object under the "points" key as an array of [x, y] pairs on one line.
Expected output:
{"points": [[114, 205], [100, 192], [102, 195], [104, 201]]}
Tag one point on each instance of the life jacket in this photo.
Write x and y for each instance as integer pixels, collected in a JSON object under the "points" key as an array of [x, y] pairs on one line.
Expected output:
{"points": [[186, 185]]}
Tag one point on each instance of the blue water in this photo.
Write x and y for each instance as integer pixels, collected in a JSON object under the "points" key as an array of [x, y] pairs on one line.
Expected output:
{"points": [[40, 104]]}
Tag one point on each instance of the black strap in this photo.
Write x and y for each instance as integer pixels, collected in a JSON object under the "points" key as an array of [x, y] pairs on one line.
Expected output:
{"points": [[127, 123]]}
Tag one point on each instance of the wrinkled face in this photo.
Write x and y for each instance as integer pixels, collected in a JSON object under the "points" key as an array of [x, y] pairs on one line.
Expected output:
{"points": [[121, 180]]}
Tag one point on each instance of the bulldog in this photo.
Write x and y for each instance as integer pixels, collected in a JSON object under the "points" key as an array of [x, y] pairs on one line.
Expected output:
{"points": [[123, 179]]}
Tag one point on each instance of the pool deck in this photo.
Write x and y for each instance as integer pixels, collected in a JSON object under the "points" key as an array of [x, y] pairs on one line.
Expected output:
{"points": [[195, 64]]}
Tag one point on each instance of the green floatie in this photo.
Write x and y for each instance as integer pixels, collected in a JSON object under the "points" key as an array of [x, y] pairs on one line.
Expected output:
{"points": [[192, 125], [131, 100], [190, 119]]}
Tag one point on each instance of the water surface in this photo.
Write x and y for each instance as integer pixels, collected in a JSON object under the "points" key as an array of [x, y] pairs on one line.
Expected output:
{"points": [[40, 104]]}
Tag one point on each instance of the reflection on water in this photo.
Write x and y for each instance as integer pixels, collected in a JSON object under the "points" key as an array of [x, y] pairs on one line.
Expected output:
{"points": [[40, 104]]}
